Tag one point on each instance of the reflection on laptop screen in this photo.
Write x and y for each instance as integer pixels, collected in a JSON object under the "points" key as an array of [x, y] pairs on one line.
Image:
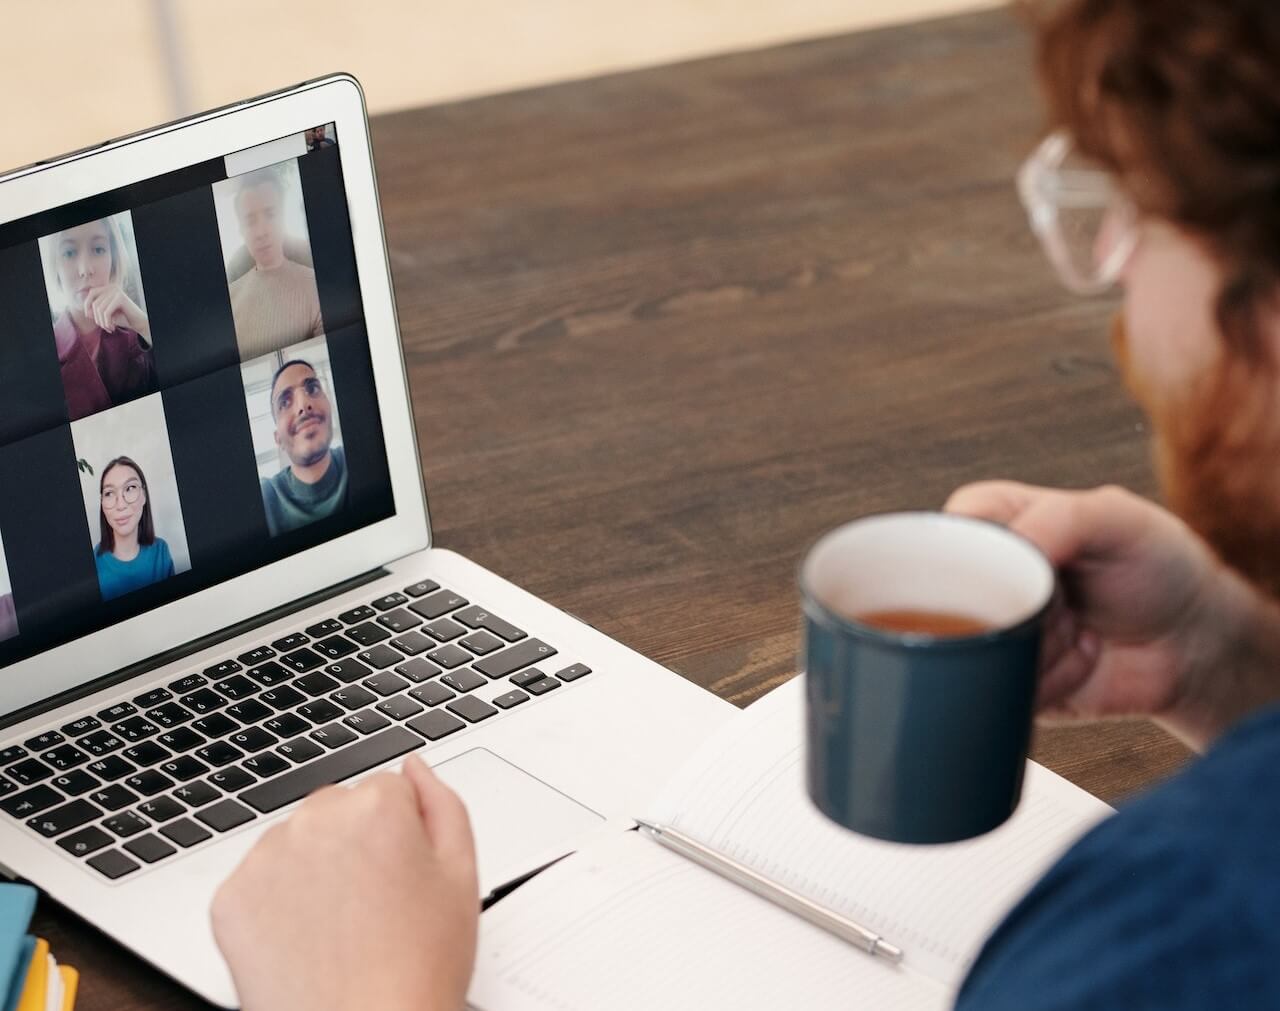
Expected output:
{"points": [[186, 387]]}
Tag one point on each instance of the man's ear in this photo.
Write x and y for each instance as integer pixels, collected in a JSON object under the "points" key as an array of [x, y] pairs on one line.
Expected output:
{"points": [[276, 435]]}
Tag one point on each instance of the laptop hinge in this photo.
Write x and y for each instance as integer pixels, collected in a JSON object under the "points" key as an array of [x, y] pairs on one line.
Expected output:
{"points": [[188, 648]]}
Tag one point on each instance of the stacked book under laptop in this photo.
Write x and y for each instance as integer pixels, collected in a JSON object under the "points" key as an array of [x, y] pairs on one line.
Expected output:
{"points": [[30, 977]]}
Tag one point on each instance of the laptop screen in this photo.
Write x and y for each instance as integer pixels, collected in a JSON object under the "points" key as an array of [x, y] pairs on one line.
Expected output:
{"points": [[186, 389]]}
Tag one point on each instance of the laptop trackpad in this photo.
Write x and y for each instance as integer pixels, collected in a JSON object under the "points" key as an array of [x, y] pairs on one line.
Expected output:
{"points": [[518, 821]]}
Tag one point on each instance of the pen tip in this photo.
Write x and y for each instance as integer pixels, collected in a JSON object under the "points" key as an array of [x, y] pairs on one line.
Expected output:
{"points": [[645, 824]]}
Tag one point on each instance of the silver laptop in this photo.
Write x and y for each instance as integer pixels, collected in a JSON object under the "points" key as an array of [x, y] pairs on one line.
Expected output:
{"points": [[218, 590]]}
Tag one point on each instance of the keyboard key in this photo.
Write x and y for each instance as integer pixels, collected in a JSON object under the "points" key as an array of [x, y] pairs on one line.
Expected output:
{"points": [[188, 684], [135, 729], [478, 617], [435, 724], [316, 683], [512, 659], [320, 711], [399, 707], [412, 643], [231, 779], [332, 768], [433, 693], [347, 671], [573, 672], [126, 824], [438, 604], [257, 656], [7, 786], [206, 700], [113, 797], [471, 709], [159, 809], [249, 711], [147, 700], [182, 739], [464, 680], [389, 601], [221, 670], [195, 793], [75, 783], [289, 642], [368, 634], [32, 770], [110, 768], [149, 782], [182, 768], [266, 764], [287, 725], [149, 848], [385, 683], [112, 864], [335, 647], [220, 753], [86, 841], [185, 832], [323, 628], [367, 721], [450, 656], [12, 754], [542, 687], [269, 674], [418, 669], [46, 740], [302, 660], [481, 643], [252, 739], [399, 620], [101, 743], [217, 725], [380, 657], [65, 757], [353, 697], [81, 726], [512, 698], [29, 802], [421, 589], [146, 753], [170, 714], [64, 818], [225, 815], [356, 615], [237, 687], [333, 735], [284, 697], [121, 710], [300, 749], [444, 630]]}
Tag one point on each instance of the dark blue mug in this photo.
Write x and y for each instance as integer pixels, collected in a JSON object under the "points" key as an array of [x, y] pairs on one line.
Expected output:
{"points": [[916, 736]]}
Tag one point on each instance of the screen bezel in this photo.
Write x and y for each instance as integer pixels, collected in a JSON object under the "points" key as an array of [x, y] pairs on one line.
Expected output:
{"points": [[337, 99]]}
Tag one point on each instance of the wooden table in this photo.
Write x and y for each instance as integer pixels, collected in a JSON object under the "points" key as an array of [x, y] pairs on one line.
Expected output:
{"points": [[666, 328]]}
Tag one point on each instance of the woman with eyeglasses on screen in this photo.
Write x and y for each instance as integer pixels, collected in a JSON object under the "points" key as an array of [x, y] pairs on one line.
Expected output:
{"points": [[129, 555], [103, 336]]}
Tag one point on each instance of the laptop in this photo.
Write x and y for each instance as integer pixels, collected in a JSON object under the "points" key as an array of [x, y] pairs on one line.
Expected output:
{"points": [[218, 589]]}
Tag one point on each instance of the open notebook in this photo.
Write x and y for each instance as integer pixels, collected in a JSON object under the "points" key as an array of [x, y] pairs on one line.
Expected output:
{"points": [[626, 924]]}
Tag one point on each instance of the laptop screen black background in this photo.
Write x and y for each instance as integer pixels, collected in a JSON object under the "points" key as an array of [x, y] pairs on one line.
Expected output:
{"points": [[47, 539]]}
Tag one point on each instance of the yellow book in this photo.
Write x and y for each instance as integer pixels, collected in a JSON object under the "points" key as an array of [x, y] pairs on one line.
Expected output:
{"points": [[33, 989], [70, 981]]}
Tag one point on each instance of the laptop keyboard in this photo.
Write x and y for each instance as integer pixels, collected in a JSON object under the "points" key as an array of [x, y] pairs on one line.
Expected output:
{"points": [[152, 776]]}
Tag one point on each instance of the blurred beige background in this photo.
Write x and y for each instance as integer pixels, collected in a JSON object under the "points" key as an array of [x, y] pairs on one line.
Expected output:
{"points": [[77, 73]]}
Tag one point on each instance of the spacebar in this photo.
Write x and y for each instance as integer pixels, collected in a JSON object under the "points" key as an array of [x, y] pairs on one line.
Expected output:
{"points": [[333, 768]]}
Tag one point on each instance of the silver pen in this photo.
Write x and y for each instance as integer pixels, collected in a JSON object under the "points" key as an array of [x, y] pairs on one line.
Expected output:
{"points": [[832, 922]]}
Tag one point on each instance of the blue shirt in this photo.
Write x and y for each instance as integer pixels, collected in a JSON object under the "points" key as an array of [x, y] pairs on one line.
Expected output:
{"points": [[152, 564], [1173, 903]]}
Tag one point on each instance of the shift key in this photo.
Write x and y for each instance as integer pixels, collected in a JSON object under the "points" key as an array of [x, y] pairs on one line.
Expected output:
{"points": [[499, 665]]}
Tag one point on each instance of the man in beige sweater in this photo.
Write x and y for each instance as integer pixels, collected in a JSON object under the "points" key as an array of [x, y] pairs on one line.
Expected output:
{"points": [[276, 302]]}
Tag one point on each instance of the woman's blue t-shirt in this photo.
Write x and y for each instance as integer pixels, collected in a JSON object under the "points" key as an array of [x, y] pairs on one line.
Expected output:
{"points": [[152, 564]]}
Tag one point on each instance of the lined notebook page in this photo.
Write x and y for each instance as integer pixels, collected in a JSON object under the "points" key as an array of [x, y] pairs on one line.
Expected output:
{"points": [[743, 794], [626, 925]]}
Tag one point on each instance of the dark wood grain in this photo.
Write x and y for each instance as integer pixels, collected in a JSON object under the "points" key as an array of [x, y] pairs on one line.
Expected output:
{"points": [[666, 328]]}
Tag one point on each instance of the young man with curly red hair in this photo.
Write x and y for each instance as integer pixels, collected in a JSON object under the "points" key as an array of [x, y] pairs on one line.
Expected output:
{"points": [[1163, 175]]}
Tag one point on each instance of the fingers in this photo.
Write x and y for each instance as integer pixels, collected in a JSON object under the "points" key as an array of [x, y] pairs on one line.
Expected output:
{"points": [[998, 501], [443, 812]]}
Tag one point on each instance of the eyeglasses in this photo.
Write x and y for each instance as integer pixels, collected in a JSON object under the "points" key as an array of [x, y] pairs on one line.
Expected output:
{"points": [[131, 492], [1087, 226]]}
